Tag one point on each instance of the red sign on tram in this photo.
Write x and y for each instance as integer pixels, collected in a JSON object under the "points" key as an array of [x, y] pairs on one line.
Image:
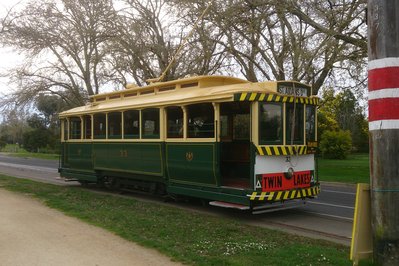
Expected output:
{"points": [[277, 181]]}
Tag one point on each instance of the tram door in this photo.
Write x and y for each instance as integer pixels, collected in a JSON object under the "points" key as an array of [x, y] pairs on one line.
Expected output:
{"points": [[235, 121]]}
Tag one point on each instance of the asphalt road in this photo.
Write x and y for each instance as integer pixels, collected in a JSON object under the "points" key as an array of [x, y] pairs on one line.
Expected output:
{"points": [[330, 216]]}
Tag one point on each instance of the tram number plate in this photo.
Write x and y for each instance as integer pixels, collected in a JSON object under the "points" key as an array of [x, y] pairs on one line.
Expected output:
{"points": [[277, 181]]}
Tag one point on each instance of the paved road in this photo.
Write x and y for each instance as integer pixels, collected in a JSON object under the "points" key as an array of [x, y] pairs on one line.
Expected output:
{"points": [[330, 216], [31, 168]]}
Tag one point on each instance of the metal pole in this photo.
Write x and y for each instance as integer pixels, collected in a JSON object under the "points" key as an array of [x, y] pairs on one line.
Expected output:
{"points": [[383, 52]]}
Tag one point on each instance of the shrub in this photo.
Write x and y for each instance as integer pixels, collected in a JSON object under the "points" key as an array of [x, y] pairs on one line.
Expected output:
{"points": [[335, 144], [2, 144], [36, 139]]}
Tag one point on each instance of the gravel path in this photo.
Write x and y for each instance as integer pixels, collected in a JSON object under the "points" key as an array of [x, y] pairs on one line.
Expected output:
{"points": [[33, 234]]}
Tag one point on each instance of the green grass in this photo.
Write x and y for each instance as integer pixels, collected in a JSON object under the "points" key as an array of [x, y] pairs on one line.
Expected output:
{"points": [[16, 151], [355, 169], [185, 236]]}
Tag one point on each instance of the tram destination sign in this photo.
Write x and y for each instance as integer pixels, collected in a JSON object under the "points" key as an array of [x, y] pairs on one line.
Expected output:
{"points": [[289, 88]]}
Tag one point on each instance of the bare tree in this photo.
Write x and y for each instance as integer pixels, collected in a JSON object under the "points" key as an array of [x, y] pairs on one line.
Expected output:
{"points": [[284, 40], [150, 32], [64, 45], [74, 48]]}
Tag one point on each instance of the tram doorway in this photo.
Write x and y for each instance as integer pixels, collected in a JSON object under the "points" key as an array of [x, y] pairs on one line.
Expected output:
{"points": [[235, 124]]}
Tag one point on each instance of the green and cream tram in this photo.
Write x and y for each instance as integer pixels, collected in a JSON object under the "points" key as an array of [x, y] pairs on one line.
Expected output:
{"points": [[226, 140]]}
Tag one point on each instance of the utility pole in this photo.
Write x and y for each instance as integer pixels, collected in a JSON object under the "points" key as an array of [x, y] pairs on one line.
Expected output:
{"points": [[383, 76]]}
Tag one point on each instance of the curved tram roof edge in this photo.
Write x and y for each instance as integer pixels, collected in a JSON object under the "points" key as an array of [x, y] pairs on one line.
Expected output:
{"points": [[207, 88]]}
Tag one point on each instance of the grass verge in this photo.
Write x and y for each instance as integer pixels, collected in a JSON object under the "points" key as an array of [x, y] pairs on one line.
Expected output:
{"points": [[355, 169], [185, 236], [16, 151]]}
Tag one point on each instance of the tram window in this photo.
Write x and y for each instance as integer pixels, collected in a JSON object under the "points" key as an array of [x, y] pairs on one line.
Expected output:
{"points": [[99, 126], [201, 120], [87, 126], [115, 125], [310, 125], [131, 124], [150, 123], [271, 123], [225, 127], [298, 121], [75, 127], [174, 122], [65, 129], [241, 126]]}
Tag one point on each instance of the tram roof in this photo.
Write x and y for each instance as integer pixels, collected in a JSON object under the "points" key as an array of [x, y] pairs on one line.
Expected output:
{"points": [[177, 92]]}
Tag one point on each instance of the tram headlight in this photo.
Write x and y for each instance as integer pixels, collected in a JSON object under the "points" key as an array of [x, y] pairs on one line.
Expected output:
{"points": [[290, 173]]}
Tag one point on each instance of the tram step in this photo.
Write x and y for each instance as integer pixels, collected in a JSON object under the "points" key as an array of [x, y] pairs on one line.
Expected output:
{"points": [[229, 205]]}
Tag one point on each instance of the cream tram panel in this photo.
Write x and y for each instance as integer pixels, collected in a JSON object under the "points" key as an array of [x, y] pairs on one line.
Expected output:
{"points": [[280, 164]]}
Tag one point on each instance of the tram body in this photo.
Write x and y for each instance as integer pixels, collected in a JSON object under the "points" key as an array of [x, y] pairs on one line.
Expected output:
{"points": [[235, 143]]}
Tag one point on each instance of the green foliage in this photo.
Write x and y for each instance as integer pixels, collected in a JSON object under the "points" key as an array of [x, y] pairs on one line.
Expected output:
{"points": [[336, 144], [2, 144], [343, 112], [38, 138]]}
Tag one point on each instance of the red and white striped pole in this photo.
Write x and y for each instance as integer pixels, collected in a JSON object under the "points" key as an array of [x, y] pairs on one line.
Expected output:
{"points": [[383, 76], [384, 94]]}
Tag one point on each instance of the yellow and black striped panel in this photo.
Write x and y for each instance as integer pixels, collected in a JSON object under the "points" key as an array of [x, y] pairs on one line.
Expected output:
{"points": [[282, 150], [265, 97], [285, 195]]}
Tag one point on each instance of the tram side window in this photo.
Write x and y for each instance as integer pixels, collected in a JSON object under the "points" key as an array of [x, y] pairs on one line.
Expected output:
{"points": [[294, 124], [99, 126], [201, 120], [87, 127], [225, 126], [271, 123], [150, 123], [75, 128], [115, 125], [174, 122], [65, 129], [310, 125], [131, 126]]}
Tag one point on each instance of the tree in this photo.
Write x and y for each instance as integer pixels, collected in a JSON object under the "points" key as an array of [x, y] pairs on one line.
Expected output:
{"points": [[13, 126], [39, 136], [77, 47], [36, 139], [336, 144], [150, 33], [342, 111], [270, 40], [64, 44]]}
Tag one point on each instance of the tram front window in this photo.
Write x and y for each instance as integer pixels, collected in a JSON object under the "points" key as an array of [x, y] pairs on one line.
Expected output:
{"points": [[271, 123], [294, 123], [310, 123]]}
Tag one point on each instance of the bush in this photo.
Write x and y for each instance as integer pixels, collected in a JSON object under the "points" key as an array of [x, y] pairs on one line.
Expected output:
{"points": [[2, 144], [36, 139], [335, 144]]}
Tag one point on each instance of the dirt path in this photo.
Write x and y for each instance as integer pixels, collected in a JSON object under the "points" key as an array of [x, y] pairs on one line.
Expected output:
{"points": [[33, 234]]}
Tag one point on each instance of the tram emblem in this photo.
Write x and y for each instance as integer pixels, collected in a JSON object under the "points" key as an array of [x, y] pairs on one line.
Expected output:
{"points": [[189, 156]]}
